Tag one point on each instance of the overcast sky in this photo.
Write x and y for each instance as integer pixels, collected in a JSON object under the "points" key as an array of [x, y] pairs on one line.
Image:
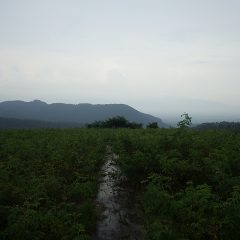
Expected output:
{"points": [[159, 56]]}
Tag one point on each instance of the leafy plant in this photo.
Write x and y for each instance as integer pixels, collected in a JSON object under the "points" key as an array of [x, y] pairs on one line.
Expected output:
{"points": [[185, 122]]}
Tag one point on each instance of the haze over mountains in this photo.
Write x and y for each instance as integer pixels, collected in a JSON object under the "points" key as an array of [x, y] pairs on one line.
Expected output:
{"points": [[70, 114]]}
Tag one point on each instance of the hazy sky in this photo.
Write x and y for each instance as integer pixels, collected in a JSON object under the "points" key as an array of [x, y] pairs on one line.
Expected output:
{"points": [[156, 55]]}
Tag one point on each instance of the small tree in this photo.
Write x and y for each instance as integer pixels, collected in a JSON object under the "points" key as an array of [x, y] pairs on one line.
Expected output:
{"points": [[186, 122]]}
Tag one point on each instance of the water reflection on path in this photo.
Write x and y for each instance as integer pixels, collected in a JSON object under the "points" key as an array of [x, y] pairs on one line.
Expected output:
{"points": [[118, 219]]}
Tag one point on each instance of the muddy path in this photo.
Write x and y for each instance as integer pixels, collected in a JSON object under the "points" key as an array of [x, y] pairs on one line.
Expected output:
{"points": [[120, 217]]}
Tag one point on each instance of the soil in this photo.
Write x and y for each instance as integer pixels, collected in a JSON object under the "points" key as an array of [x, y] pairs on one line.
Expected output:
{"points": [[120, 216]]}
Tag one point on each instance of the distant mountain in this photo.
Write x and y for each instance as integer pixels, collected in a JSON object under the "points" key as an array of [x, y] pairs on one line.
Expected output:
{"points": [[13, 123], [219, 126], [81, 113]]}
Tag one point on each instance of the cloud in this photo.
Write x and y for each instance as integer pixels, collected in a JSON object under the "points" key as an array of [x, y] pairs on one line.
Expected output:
{"points": [[200, 62], [121, 51]]}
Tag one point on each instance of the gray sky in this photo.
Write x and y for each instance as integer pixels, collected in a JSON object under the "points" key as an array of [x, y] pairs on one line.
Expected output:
{"points": [[159, 56]]}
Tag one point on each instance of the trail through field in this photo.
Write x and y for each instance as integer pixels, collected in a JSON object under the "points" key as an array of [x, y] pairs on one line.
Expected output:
{"points": [[119, 216]]}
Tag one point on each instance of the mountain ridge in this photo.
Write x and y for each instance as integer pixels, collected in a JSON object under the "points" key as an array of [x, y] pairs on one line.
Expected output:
{"points": [[80, 113], [14, 123]]}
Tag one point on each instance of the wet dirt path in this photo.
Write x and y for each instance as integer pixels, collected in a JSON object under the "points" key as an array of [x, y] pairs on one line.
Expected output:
{"points": [[119, 218]]}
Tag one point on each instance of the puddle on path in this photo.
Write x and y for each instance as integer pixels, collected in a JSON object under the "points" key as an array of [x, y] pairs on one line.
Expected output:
{"points": [[118, 219]]}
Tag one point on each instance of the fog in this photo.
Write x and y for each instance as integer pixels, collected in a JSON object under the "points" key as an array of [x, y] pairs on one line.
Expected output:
{"points": [[161, 57]]}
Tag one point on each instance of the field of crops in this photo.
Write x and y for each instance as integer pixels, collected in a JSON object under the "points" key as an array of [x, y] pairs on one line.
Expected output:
{"points": [[187, 181], [48, 183]]}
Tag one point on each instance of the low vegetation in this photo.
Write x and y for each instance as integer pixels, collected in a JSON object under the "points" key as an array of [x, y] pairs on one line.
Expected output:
{"points": [[48, 183], [187, 181]]}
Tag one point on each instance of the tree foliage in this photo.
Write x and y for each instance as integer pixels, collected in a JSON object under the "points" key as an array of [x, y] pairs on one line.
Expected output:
{"points": [[115, 122], [185, 122]]}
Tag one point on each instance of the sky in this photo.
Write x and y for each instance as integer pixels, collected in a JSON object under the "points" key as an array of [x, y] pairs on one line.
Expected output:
{"points": [[161, 57]]}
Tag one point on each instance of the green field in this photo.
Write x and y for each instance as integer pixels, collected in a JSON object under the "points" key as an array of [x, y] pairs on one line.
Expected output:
{"points": [[187, 181]]}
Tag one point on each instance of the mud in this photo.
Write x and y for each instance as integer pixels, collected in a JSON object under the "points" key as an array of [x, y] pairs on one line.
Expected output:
{"points": [[120, 217]]}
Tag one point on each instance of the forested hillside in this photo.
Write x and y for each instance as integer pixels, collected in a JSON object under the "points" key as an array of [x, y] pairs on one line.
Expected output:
{"points": [[12, 123], [220, 126], [79, 113]]}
